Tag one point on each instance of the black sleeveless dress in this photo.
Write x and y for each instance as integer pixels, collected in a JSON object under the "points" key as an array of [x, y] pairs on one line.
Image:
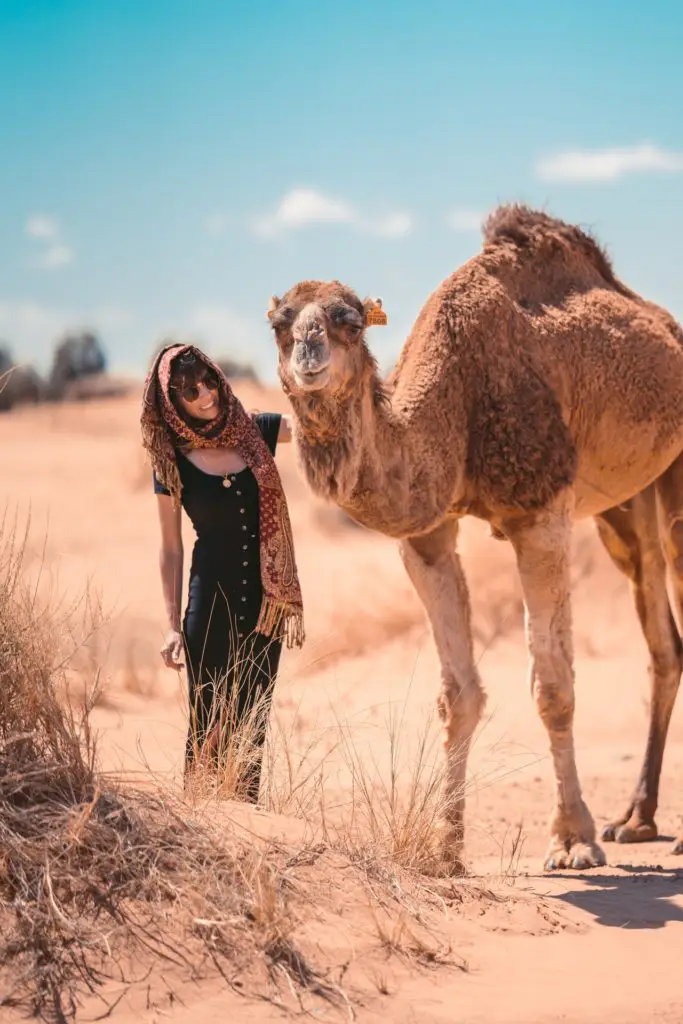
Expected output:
{"points": [[228, 662]]}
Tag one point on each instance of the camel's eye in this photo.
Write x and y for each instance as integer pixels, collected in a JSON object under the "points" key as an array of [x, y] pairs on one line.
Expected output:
{"points": [[342, 315], [283, 317]]}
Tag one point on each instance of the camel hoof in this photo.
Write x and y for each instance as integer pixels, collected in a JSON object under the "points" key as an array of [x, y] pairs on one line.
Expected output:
{"points": [[641, 833], [677, 847], [630, 832], [451, 867], [609, 832], [449, 862], [443, 864], [579, 857], [445, 854]]}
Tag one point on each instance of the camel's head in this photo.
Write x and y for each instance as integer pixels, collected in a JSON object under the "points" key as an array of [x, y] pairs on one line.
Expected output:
{"points": [[319, 327]]}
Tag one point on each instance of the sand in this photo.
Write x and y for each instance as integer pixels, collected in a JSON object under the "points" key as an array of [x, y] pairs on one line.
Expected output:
{"points": [[571, 947]]}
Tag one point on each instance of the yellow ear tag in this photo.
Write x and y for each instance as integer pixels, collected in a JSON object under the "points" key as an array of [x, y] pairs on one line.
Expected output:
{"points": [[376, 317]]}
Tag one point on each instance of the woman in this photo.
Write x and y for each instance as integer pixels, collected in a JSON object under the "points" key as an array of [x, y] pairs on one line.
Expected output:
{"points": [[214, 460]]}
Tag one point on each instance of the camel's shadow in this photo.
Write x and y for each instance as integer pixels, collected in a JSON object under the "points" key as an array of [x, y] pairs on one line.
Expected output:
{"points": [[641, 898]]}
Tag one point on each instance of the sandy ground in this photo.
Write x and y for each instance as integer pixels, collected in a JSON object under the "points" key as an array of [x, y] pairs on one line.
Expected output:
{"points": [[78, 471]]}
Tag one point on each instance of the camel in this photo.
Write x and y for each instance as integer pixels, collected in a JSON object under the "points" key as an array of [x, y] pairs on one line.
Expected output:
{"points": [[534, 389]]}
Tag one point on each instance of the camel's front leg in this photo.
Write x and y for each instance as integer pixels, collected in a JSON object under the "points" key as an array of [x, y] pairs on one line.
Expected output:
{"points": [[434, 568], [542, 549]]}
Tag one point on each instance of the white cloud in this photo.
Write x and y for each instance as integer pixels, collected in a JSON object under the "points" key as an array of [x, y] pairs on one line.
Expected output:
{"points": [[38, 226], [393, 226], [55, 253], [55, 256], [303, 207], [607, 164], [465, 220]]}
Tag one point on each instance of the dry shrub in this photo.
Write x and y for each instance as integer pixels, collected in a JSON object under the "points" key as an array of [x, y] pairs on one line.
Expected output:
{"points": [[375, 793], [94, 875], [393, 815], [296, 764], [376, 797], [401, 936]]}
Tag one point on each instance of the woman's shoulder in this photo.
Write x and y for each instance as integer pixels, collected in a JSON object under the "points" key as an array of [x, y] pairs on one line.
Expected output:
{"points": [[266, 419]]}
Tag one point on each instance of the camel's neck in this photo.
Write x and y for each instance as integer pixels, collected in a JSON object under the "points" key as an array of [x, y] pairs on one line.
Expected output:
{"points": [[361, 453], [339, 440]]}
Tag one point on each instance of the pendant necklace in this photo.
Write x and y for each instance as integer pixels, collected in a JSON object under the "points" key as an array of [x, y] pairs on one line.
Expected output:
{"points": [[226, 481]]}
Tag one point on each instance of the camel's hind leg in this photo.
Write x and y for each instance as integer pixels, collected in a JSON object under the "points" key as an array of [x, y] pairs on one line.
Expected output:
{"points": [[434, 568], [631, 536], [670, 494], [542, 548]]}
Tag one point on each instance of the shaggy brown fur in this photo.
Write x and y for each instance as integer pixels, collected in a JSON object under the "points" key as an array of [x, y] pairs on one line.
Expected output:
{"points": [[534, 388]]}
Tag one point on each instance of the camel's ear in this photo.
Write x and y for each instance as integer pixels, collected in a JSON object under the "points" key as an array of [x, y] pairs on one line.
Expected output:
{"points": [[374, 314], [274, 303]]}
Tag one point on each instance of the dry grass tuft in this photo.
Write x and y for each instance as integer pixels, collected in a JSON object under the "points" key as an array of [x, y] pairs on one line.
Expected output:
{"points": [[393, 814], [296, 765], [400, 936], [94, 875]]}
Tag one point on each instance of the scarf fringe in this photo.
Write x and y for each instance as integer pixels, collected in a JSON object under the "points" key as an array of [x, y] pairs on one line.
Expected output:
{"points": [[155, 440], [280, 617]]}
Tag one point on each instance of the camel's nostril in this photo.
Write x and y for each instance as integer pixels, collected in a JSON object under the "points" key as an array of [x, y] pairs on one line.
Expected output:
{"points": [[311, 352], [310, 359]]}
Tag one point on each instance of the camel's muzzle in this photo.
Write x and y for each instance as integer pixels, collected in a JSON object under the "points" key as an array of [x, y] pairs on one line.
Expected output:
{"points": [[311, 363]]}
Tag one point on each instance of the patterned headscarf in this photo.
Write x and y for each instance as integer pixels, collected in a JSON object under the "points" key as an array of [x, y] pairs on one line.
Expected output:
{"points": [[164, 431]]}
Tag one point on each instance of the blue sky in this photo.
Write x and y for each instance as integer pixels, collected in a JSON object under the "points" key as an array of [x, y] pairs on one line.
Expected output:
{"points": [[166, 165]]}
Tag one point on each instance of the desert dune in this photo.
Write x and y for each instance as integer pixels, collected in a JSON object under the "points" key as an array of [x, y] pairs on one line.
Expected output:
{"points": [[504, 941]]}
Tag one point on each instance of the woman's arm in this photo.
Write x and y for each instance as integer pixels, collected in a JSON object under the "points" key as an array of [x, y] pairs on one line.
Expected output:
{"points": [[171, 568], [285, 432], [285, 429]]}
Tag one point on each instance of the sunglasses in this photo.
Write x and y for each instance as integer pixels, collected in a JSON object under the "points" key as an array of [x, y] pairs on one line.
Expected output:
{"points": [[191, 392]]}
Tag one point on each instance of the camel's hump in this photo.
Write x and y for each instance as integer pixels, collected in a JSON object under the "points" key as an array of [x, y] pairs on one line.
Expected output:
{"points": [[533, 232]]}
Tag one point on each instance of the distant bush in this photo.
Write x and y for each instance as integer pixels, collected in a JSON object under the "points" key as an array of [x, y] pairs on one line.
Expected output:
{"points": [[17, 383], [234, 370], [76, 356]]}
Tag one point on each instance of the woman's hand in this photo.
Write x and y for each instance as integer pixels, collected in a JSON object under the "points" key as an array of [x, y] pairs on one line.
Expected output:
{"points": [[285, 433], [173, 650]]}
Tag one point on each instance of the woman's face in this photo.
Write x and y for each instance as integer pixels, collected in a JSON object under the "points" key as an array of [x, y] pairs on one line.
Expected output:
{"points": [[196, 392]]}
